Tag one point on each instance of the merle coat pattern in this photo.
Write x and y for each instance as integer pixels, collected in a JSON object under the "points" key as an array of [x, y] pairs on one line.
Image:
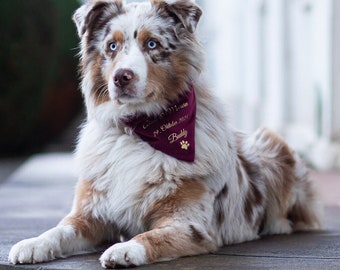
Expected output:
{"points": [[135, 59]]}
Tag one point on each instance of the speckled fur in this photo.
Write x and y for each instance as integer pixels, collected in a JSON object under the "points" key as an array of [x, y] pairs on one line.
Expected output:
{"points": [[239, 187]]}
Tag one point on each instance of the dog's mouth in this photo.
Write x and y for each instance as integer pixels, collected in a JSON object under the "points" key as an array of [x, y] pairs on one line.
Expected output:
{"points": [[124, 97], [130, 96]]}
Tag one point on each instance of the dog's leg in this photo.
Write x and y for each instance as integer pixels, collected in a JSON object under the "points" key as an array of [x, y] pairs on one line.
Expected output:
{"points": [[74, 235], [163, 243], [77, 233], [293, 202], [59, 242]]}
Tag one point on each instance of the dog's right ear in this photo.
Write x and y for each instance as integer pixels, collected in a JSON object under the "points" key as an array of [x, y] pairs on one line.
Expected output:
{"points": [[88, 15]]}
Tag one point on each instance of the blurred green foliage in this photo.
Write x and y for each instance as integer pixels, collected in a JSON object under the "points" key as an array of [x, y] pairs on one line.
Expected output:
{"points": [[38, 72]]}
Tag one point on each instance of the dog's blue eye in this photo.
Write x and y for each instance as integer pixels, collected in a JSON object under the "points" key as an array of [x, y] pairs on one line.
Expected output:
{"points": [[152, 44], [113, 46]]}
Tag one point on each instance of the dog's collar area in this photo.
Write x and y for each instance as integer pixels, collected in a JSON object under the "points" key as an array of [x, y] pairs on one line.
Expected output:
{"points": [[173, 130]]}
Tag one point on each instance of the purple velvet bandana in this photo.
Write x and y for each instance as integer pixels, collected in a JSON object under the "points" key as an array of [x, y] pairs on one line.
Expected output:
{"points": [[173, 130]]}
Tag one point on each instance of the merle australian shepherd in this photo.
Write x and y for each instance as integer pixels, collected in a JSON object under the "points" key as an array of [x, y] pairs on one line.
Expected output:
{"points": [[161, 172]]}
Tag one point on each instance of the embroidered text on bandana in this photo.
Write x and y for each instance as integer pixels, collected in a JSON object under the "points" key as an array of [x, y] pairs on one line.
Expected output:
{"points": [[173, 130]]}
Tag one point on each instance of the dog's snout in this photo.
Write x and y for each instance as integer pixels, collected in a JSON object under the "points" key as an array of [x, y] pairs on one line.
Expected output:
{"points": [[123, 77]]}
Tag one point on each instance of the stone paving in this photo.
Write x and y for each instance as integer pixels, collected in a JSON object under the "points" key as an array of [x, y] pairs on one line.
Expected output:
{"points": [[39, 193]]}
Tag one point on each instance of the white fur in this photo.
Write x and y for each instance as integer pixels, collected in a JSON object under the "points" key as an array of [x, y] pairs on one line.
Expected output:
{"points": [[58, 242], [124, 254]]}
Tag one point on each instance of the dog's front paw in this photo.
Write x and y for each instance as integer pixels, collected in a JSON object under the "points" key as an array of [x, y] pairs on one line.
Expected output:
{"points": [[126, 254], [33, 250]]}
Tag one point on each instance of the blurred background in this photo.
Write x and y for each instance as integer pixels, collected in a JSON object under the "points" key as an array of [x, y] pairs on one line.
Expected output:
{"points": [[39, 95], [273, 63], [276, 63]]}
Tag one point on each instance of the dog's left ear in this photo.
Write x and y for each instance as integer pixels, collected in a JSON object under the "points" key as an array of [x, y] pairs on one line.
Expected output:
{"points": [[184, 11]]}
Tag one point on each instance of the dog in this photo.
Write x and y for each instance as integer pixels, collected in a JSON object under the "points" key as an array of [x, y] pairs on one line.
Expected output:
{"points": [[162, 174]]}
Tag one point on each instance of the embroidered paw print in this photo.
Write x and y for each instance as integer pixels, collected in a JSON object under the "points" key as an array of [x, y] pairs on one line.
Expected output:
{"points": [[185, 145]]}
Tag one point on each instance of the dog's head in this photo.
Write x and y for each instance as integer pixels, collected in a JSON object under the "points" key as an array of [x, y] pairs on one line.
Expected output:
{"points": [[139, 55]]}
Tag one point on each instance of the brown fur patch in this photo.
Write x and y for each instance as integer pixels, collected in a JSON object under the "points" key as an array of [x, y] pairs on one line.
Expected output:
{"points": [[83, 222], [302, 215], [144, 35], [173, 242], [85, 193], [196, 235], [88, 227], [157, 243], [154, 90], [118, 36], [100, 91], [282, 165], [189, 191], [168, 71], [163, 83], [299, 216], [219, 201], [252, 169], [284, 153], [167, 84], [254, 199]]}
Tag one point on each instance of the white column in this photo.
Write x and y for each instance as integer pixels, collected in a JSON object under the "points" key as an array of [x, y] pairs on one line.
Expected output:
{"points": [[221, 36], [303, 91], [252, 57], [274, 77], [335, 99]]}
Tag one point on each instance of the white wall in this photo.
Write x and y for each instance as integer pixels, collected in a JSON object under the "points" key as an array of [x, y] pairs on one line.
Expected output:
{"points": [[276, 63]]}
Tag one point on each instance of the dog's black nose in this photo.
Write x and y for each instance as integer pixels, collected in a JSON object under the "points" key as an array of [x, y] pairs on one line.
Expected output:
{"points": [[123, 77]]}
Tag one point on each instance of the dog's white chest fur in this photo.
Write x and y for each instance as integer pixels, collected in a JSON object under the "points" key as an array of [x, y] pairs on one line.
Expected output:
{"points": [[102, 162]]}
